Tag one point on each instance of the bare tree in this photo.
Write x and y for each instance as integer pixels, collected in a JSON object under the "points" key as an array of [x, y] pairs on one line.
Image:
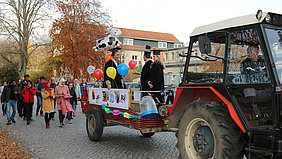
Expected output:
{"points": [[19, 21]]}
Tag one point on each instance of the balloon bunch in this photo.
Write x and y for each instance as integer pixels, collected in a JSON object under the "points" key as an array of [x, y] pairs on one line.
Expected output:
{"points": [[122, 68], [118, 112]]}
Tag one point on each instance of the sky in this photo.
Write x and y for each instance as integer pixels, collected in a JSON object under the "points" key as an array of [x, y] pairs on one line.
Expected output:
{"points": [[180, 17]]}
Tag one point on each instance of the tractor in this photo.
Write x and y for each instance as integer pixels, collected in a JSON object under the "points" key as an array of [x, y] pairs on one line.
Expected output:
{"points": [[228, 104]]}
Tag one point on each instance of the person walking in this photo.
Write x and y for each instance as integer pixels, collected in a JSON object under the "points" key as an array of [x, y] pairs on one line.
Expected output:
{"points": [[47, 102], [73, 102], [84, 93], [76, 87], [4, 105], [62, 94], [28, 100], [22, 85], [54, 85], [38, 87], [10, 97]]}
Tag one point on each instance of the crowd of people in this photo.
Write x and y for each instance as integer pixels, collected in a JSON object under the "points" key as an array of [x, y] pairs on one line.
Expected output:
{"points": [[52, 98]]}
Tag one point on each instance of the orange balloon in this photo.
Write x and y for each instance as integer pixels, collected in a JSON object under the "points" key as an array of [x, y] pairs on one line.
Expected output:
{"points": [[163, 58], [108, 57]]}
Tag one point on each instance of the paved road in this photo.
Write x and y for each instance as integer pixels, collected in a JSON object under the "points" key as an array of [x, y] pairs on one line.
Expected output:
{"points": [[72, 140]]}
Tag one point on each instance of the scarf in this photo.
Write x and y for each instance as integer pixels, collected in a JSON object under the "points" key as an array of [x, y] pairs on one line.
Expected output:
{"points": [[45, 86], [61, 80]]}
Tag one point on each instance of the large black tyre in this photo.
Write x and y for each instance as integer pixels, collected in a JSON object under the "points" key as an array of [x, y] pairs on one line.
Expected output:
{"points": [[95, 124], [147, 134], [206, 130]]}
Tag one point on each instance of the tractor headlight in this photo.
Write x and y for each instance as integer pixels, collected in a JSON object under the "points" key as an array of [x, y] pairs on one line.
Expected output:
{"points": [[268, 18]]}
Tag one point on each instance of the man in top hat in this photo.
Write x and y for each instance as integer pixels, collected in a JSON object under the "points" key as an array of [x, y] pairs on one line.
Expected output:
{"points": [[157, 70], [113, 62]]}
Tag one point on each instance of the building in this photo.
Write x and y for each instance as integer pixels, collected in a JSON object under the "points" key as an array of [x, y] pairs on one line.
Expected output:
{"points": [[134, 42]]}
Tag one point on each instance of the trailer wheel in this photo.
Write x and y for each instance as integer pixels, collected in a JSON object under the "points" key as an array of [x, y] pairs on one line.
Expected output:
{"points": [[94, 124], [206, 130], [147, 134]]}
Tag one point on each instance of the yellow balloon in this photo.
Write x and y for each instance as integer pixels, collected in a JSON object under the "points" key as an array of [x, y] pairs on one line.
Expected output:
{"points": [[126, 115], [111, 72]]}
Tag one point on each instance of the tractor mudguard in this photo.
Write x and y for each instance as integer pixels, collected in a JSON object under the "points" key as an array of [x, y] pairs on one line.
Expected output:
{"points": [[186, 95]]}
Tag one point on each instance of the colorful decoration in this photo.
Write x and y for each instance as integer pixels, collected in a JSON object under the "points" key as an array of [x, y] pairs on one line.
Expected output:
{"points": [[132, 64], [98, 74], [139, 70], [111, 72], [118, 112], [163, 58], [108, 57], [90, 69], [122, 69]]}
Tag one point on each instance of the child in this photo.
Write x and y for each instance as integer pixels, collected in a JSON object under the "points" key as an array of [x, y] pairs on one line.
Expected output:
{"points": [[108, 83]]}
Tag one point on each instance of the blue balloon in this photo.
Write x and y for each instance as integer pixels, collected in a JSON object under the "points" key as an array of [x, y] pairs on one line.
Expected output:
{"points": [[122, 69]]}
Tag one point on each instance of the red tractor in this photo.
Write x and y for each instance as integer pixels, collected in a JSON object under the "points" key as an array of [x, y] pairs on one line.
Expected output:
{"points": [[229, 102]]}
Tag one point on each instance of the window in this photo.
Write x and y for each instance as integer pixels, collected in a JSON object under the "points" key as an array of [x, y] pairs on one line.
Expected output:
{"points": [[207, 68], [122, 58], [127, 41], [177, 45], [135, 58], [166, 56], [162, 44], [172, 55], [246, 64]]}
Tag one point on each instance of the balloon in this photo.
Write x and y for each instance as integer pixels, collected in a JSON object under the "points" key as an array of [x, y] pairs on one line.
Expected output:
{"points": [[108, 57], [111, 72], [122, 69], [132, 64], [163, 58], [90, 69], [98, 74], [126, 115]]}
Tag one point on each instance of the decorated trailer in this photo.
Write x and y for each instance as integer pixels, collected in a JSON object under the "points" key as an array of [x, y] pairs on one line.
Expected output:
{"points": [[228, 104]]}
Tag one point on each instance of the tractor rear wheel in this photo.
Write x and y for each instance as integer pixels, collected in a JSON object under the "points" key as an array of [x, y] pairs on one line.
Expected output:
{"points": [[206, 130], [95, 124]]}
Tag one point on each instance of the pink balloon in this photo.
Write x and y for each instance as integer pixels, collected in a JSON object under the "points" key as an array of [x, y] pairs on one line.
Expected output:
{"points": [[132, 64], [98, 74]]}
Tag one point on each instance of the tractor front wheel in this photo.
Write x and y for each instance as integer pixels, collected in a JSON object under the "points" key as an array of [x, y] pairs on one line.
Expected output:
{"points": [[206, 130]]}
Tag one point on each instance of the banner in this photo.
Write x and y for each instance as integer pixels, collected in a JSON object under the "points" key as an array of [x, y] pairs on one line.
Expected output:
{"points": [[116, 98]]}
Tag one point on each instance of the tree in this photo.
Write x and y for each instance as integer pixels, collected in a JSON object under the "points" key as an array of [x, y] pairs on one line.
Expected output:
{"points": [[19, 20], [75, 33]]}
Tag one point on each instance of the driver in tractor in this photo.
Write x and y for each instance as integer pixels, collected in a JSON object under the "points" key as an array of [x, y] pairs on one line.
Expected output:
{"points": [[253, 67]]}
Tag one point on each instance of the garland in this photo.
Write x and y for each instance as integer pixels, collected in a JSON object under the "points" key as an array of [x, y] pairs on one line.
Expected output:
{"points": [[118, 112]]}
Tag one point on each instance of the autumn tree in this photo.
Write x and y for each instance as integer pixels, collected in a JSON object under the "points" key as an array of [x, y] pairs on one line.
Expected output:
{"points": [[74, 36], [19, 23]]}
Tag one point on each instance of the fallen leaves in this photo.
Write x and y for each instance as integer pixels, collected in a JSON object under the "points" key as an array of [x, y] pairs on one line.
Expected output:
{"points": [[9, 148]]}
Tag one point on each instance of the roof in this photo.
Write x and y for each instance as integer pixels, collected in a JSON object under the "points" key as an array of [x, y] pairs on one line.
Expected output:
{"points": [[229, 23], [147, 35]]}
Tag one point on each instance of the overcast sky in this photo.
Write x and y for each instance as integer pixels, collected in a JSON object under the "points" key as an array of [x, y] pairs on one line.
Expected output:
{"points": [[180, 17]]}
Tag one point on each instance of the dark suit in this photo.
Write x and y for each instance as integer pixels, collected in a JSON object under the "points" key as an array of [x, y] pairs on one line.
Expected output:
{"points": [[117, 82], [146, 75], [157, 79]]}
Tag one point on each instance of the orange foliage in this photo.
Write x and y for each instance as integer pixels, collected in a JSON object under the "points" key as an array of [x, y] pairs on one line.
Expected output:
{"points": [[75, 34]]}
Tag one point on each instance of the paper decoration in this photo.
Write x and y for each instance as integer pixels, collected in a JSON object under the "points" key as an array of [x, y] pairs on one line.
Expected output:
{"points": [[118, 112]]}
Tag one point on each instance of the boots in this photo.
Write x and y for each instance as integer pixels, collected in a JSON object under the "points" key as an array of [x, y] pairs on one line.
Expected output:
{"points": [[9, 122], [47, 125]]}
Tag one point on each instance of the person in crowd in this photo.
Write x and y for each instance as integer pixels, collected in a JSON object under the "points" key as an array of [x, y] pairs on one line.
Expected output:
{"points": [[84, 93], [22, 85], [113, 62], [4, 106], [76, 87], [38, 87], [73, 102], [100, 83], [10, 97], [47, 102], [62, 94], [53, 86], [19, 98], [71, 78], [108, 83], [28, 100], [68, 80], [157, 81]]}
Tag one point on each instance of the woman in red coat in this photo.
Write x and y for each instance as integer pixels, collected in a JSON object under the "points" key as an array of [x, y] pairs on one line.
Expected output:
{"points": [[28, 100]]}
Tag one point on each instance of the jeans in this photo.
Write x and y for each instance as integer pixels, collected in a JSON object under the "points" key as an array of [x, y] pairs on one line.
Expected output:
{"points": [[39, 105], [61, 116], [12, 103], [69, 115]]}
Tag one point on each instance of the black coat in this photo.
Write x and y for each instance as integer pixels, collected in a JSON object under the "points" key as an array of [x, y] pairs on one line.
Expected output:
{"points": [[146, 75], [74, 98], [117, 83], [157, 76]]}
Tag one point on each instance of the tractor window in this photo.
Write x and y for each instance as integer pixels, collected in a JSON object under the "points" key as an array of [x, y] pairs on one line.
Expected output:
{"points": [[246, 63], [207, 68]]}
